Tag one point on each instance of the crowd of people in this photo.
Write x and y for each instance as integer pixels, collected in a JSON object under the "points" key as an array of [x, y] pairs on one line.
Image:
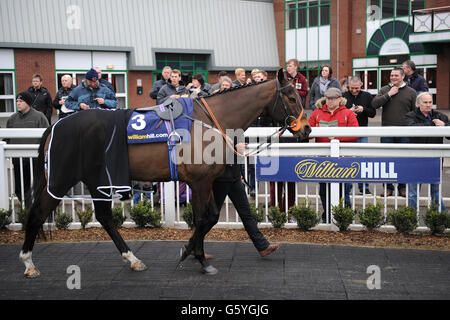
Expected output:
{"points": [[405, 101]]}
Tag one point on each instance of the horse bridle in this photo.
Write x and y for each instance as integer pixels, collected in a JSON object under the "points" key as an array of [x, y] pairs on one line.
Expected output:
{"points": [[294, 125]]}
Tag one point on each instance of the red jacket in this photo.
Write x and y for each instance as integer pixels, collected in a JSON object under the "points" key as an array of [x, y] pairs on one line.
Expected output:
{"points": [[299, 82], [322, 117]]}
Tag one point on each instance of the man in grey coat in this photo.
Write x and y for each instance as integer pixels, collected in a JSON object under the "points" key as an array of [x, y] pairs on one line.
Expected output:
{"points": [[25, 117]]}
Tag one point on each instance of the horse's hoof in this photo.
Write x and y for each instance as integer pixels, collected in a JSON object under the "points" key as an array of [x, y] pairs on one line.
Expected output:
{"points": [[32, 273], [138, 266], [210, 270], [183, 253]]}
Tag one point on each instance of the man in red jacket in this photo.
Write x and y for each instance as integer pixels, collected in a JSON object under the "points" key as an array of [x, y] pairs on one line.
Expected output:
{"points": [[332, 112], [298, 80]]}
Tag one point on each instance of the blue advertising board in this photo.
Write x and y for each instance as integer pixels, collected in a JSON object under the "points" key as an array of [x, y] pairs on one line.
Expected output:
{"points": [[348, 169]]}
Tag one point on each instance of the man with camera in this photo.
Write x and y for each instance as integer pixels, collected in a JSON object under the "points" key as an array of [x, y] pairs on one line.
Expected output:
{"points": [[91, 94]]}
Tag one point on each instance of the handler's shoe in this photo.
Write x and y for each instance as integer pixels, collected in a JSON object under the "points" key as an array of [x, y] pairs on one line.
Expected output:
{"points": [[271, 248]]}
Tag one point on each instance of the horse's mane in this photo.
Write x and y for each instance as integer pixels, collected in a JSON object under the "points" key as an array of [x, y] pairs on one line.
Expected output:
{"points": [[251, 84]]}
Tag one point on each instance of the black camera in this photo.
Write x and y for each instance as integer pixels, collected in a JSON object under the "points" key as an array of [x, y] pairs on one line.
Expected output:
{"points": [[92, 98]]}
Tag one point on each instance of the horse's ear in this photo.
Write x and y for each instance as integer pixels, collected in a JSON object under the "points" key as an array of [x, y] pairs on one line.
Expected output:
{"points": [[281, 75]]}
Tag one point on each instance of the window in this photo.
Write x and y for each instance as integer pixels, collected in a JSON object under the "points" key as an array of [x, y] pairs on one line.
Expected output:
{"points": [[402, 8], [307, 13], [7, 97], [324, 12], [387, 10], [188, 64]]}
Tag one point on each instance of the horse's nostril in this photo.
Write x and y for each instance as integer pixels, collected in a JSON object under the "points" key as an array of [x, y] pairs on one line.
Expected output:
{"points": [[307, 130]]}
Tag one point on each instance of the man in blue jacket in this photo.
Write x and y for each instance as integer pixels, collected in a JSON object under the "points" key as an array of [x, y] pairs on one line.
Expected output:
{"points": [[412, 77], [157, 85], [91, 94]]}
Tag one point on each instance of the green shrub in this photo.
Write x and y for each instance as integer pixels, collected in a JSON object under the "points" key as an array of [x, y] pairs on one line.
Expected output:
{"points": [[372, 217], [188, 215], [5, 218], [403, 219], [276, 217], [143, 215], [22, 216], [84, 216], [62, 220], [436, 221], [257, 213], [305, 216], [117, 216], [343, 215]]}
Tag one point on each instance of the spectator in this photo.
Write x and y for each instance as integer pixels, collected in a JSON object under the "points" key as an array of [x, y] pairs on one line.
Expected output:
{"points": [[413, 78], [344, 84], [174, 89], [104, 81], [216, 86], [240, 77], [253, 76], [62, 95], [262, 75], [321, 84], [397, 99], [424, 116], [91, 94], [25, 117], [157, 85], [360, 102], [42, 101], [230, 184], [225, 83], [331, 112], [298, 80], [198, 86]]}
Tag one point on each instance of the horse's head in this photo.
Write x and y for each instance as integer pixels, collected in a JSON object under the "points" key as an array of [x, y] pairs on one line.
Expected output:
{"points": [[288, 108]]}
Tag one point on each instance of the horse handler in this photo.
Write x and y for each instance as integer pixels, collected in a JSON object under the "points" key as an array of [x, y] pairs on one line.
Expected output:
{"points": [[230, 184]]}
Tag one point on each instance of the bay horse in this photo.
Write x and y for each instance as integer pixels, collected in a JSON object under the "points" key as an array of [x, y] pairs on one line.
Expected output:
{"points": [[236, 108]]}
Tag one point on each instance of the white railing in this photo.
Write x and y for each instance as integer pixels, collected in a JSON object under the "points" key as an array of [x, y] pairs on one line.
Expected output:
{"points": [[432, 19], [172, 209]]}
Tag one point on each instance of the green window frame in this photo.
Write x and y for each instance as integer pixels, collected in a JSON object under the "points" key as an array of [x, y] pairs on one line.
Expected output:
{"points": [[307, 13], [187, 63], [391, 9]]}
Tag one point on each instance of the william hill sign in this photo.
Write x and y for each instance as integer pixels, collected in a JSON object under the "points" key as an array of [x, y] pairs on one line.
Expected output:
{"points": [[348, 169]]}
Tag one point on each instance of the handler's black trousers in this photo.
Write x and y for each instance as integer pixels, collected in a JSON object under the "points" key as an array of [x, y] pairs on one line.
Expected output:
{"points": [[236, 192]]}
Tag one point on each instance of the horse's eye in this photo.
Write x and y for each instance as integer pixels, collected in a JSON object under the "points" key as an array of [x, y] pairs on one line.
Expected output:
{"points": [[291, 99]]}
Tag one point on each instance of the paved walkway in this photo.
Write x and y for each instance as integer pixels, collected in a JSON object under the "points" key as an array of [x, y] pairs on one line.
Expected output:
{"points": [[296, 271]]}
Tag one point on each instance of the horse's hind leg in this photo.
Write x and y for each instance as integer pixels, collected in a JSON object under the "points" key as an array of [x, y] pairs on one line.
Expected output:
{"points": [[39, 212], [104, 216]]}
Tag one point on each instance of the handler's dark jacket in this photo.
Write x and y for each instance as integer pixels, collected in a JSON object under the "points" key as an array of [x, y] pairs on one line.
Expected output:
{"points": [[363, 99], [417, 118], [42, 101]]}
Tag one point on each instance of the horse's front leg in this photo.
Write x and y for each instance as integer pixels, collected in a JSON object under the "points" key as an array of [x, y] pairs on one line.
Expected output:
{"points": [[39, 212], [104, 215], [206, 216]]}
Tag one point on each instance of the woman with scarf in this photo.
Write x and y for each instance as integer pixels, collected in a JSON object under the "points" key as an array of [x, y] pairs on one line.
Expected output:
{"points": [[321, 84]]}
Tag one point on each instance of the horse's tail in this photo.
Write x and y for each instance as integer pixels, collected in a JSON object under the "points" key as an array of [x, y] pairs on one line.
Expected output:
{"points": [[39, 173]]}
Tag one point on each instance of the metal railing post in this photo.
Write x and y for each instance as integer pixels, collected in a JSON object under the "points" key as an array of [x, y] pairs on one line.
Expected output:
{"points": [[3, 178], [334, 201], [169, 204]]}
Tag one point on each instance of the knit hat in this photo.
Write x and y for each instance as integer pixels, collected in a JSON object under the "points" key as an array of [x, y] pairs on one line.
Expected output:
{"points": [[92, 75], [333, 93], [25, 96]]}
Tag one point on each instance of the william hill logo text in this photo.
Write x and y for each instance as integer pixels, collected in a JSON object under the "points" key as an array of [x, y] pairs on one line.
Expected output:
{"points": [[314, 170]]}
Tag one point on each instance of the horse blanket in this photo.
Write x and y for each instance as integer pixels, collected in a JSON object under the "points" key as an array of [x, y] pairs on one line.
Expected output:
{"points": [[90, 146]]}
